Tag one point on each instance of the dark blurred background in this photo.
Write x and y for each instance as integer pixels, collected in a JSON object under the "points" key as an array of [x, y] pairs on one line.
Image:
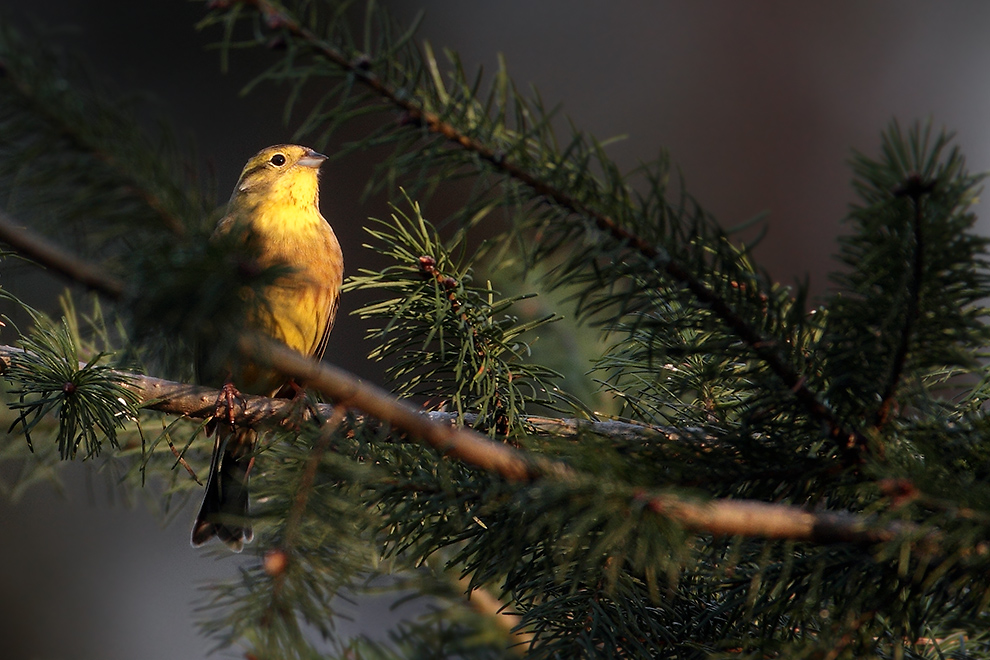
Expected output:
{"points": [[760, 104]]}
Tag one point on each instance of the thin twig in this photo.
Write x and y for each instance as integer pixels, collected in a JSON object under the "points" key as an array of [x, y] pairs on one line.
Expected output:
{"points": [[305, 487], [46, 253], [850, 442], [181, 460]]}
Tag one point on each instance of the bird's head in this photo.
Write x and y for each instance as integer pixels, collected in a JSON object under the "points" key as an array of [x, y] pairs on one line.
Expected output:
{"points": [[284, 173]]}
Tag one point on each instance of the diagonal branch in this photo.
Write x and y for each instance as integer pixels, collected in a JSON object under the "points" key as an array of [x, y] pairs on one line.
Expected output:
{"points": [[717, 517], [46, 253], [351, 392], [850, 442]]}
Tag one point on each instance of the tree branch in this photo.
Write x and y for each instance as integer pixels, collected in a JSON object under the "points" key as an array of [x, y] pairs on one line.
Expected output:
{"points": [[46, 253], [199, 402], [914, 188], [717, 517], [352, 392], [850, 442]]}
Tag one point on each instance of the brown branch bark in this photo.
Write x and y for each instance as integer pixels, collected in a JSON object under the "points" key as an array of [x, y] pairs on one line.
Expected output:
{"points": [[352, 392], [716, 517], [774, 521], [199, 402]]}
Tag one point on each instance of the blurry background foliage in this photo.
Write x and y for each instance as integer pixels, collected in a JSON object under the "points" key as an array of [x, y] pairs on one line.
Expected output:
{"points": [[518, 274]]}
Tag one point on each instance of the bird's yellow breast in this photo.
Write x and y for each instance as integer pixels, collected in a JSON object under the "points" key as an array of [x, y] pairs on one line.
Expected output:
{"points": [[276, 209]]}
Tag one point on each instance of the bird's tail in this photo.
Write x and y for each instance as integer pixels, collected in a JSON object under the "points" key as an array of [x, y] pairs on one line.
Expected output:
{"points": [[224, 513]]}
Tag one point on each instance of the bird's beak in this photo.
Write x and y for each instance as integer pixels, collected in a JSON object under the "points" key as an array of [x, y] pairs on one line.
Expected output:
{"points": [[312, 159]]}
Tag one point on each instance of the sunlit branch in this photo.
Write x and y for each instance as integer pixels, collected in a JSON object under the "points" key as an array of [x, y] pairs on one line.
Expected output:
{"points": [[716, 517]]}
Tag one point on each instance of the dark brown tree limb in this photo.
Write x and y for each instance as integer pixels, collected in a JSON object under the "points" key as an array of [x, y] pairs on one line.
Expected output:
{"points": [[354, 393], [774, 521], [199, 402]]}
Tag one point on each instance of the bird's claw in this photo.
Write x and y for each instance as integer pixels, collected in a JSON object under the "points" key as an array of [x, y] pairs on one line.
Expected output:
{"points": [[226, 401]]}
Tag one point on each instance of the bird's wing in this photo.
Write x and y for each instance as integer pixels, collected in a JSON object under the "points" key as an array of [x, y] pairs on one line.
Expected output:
{"points": [[322, 346]]}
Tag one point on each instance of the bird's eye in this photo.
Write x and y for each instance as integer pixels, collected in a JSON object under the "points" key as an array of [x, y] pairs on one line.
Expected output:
{"points": [[278, 160]]}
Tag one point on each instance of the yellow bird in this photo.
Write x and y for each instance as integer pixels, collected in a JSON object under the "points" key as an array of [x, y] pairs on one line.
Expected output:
{"points": [[275, 209]]}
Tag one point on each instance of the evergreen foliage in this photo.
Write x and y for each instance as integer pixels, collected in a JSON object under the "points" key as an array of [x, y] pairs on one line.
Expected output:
{"points": [[89, 401], [472, 353], [868, 406]]}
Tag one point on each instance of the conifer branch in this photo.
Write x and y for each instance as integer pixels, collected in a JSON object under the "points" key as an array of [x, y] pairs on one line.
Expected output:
{"points": [[198, 402], [850, 442], [352, 392], [576, 538], [717, 517], [720, 517], [914, 188], [46, 253]]}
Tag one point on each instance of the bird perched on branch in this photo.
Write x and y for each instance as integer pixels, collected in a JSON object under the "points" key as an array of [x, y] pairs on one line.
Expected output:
{"points": [[274, 212]]}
